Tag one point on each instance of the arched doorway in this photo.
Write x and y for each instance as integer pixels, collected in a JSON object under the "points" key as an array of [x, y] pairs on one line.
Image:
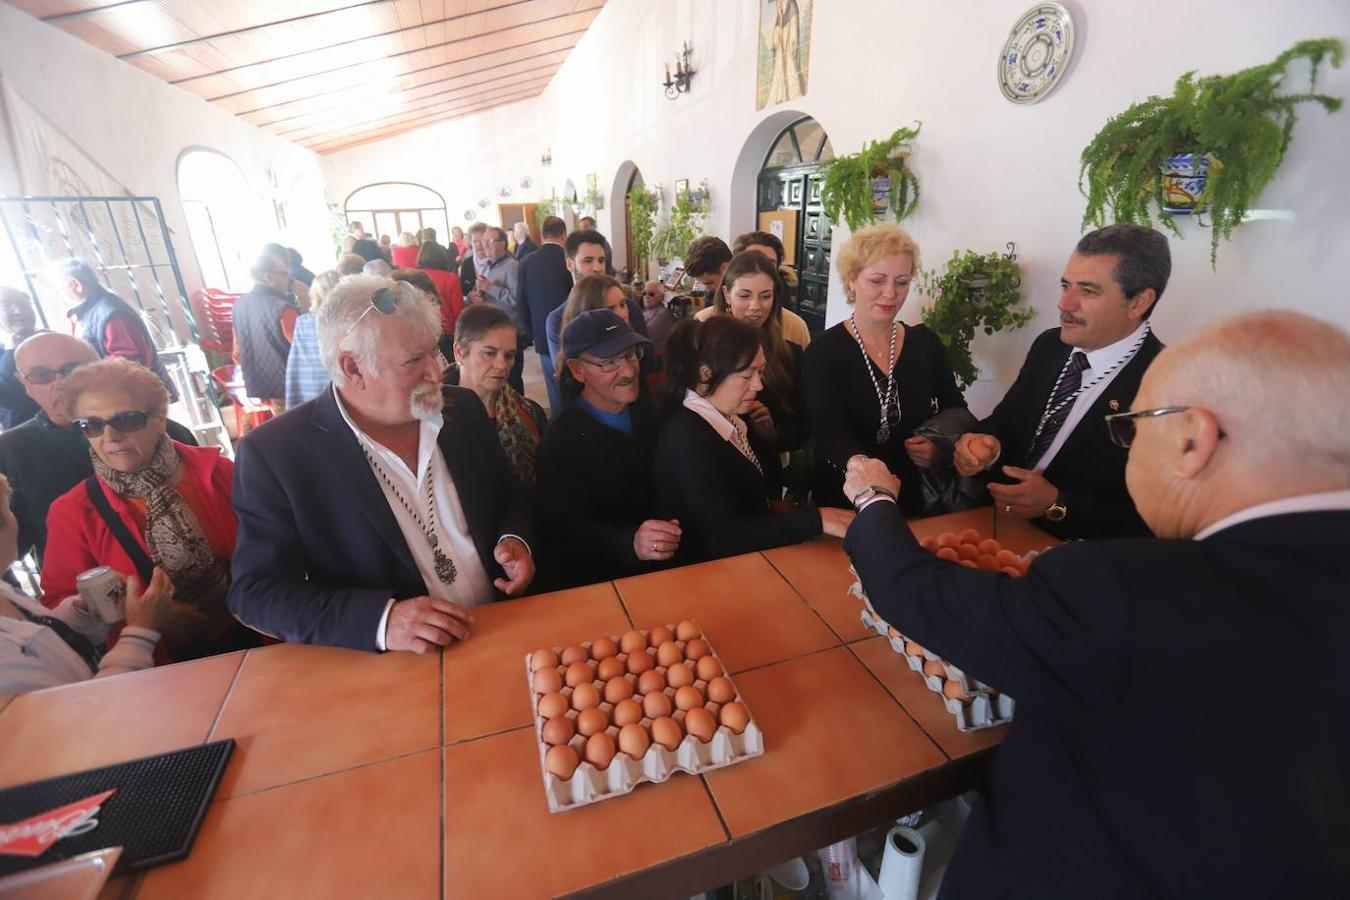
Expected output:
{"points": [[625, 180], [216, 200], [787, 189], [392, 207]]}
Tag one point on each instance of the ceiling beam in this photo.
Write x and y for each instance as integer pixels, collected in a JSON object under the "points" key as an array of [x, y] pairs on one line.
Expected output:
{"points": [[198, 41], [350, 67], [376, 133], [364, 37], [58, 18]]}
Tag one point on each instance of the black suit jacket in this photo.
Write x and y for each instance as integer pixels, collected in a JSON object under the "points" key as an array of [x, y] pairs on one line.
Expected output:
{"points": [[524, 249], [1089, 470], [545, 283], [1180, 727], [319, 551]]}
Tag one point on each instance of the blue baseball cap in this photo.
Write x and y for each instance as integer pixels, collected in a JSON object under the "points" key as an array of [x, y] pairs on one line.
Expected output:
{"points": [[601, 333]]}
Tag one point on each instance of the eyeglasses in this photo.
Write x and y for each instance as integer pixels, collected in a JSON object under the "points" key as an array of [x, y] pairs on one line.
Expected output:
{"points": [[43, 375], [632, 357], [1122, 427], [650, 293], [384, 301], [124, 423]]}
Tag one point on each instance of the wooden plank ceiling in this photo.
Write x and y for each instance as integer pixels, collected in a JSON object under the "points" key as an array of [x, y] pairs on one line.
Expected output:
{"points": [[331, 74]]}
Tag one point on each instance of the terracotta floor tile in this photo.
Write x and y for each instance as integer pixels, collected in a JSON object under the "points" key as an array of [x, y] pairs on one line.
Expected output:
{"points": [[109, 720], [925, 706], [485, 686], [772, 624], [818, 570], [299, 711], [501, 840], [367, 832], [830, 732]]}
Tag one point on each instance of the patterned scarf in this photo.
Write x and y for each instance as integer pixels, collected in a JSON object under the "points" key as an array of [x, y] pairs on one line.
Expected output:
{"points": [[175, 538], [517, 431]]}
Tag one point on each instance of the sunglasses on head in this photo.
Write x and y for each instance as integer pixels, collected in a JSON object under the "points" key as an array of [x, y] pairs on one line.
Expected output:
{"points": [[126, 422], [384, 301], [44, 375]]}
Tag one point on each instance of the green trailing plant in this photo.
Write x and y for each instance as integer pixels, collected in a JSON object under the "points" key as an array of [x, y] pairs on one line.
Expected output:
{"points": [[683, 223], [549, 206], [1242, 121], [846, 183], [973, 291], [642, 206]]}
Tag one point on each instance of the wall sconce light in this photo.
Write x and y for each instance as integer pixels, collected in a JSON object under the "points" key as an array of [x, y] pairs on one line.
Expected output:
{"points": [[684, 73], [547, 158]]}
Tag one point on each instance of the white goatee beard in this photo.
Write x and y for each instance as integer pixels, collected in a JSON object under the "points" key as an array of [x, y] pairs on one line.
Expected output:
{"points": [[425, 404]]}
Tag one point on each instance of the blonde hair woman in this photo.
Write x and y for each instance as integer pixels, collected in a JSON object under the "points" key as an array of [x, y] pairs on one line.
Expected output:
{"points": [[405, 251], [871, 379]]}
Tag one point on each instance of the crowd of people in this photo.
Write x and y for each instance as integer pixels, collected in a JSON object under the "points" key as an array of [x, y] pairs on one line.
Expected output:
{"points": [[406, 478]]}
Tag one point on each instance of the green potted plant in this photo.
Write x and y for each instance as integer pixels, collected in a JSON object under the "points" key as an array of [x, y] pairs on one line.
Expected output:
{"points": [[642, 206], [974, 290], [858, 189], [549, 206], [1214, 143], [683, 223]]}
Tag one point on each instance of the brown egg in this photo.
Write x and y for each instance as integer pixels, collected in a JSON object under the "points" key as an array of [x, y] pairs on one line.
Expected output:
{"points": [[679, 675], [574, 654], [892, 633], [735, 716], [579, 673], [721, 690], [930, 544], [688, 630], [667, 732], [949, 554], [669, 653], [591, 720], [688, 697], [634, 740], [584, 696], [913, 648], [701, 724], [562, 761], [632, 640], [543, 658], [600, 750], [934, 667], [557, 730], [651, 680], [546, 681], [987, 561], [654, 706], [609, 667], [1012, 571], [969, 536], [658, 636], [708, 668], [968, 552], [554, 704], [603, 648], [968, 563], [696, 649], [1006, 558], [626, 712], [990, 546], [617, 689], [948, 539], [640, 661], [953, 690]]}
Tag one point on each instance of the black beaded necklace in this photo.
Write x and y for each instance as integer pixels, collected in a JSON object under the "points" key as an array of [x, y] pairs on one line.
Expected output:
{"points": [[445, 566]]}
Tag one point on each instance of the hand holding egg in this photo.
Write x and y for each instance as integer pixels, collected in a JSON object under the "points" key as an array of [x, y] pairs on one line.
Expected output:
{"points": [[975, 452]]}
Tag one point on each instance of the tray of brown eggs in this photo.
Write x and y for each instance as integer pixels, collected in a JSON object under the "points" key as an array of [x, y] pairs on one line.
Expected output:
{"points": [[975, 704], [617, 711]]}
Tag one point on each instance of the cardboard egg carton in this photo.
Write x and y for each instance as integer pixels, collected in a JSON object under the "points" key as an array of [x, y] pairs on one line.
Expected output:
{"points": [[589, 784], [986, 706]]}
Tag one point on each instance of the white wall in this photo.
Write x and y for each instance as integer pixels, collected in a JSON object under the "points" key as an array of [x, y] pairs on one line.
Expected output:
{"points": [[135, 126], [991, 172]]}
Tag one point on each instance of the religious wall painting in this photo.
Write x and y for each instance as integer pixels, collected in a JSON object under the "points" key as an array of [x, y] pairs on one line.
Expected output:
{"points": [[784, 50]]}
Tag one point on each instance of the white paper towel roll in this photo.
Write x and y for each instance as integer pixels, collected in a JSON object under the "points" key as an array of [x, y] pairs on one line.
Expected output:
{"points": [[902, 864]]}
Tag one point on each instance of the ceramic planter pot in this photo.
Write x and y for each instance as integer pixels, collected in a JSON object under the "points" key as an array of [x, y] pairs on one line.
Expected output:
{"points": [[1184, 178]]}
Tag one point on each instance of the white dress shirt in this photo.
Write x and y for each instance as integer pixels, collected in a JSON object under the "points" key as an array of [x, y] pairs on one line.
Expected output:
{"points": [[1099, 360], [471, 586], [1320, 502]]}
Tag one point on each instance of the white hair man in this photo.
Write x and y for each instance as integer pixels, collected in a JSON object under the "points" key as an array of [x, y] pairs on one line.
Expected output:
{"points": [[525, 245], [1149, 735], [377, 514]]}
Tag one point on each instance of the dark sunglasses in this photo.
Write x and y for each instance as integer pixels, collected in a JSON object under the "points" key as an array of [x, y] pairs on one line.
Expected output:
{"points": [[43, 375], [123, 423], [650, 293], [384, 301]]}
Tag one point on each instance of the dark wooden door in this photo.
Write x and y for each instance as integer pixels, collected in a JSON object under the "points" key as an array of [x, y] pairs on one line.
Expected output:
{"points": [[798, 188]]}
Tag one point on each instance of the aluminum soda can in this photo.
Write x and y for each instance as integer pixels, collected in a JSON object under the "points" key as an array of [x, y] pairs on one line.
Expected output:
{"points": [[104, 592]]}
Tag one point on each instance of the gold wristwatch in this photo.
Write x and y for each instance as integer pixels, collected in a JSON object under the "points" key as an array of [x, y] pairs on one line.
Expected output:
{"points": [[1057, 511]]}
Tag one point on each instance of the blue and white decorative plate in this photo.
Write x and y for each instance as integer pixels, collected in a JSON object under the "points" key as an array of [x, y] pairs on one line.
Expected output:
{"points": [[1036, 54]]}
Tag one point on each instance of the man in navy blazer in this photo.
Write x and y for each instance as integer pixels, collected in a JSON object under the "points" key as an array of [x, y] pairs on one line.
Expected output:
{"points": [[1049, 454], [1180, 727], [545, 282], [374, 516]]}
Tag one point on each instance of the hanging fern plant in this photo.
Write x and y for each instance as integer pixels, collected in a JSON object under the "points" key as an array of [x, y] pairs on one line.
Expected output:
{"points": [[846, 188], [1241, 122], [973, 291]]}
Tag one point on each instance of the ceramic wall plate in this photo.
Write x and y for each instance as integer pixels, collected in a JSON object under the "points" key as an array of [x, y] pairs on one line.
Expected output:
{"points": [[470, 215], [1036, 54]]}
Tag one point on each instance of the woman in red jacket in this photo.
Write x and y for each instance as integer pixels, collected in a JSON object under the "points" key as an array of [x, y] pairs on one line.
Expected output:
{"points": [[405, 251], [435, 261], [169, 501]]}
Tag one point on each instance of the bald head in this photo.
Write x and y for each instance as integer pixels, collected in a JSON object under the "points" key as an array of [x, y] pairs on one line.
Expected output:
{"points": [[1268, 419], [45, 355]]}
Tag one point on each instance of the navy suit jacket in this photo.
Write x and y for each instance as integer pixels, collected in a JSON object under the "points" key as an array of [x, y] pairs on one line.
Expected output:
{"points": [[545, 283], [319, 552], [1089, 469], [1180, 727]]}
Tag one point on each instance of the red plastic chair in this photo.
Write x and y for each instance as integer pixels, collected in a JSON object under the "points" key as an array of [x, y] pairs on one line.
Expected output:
{"points": [[248, 412], [215, 320]]}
